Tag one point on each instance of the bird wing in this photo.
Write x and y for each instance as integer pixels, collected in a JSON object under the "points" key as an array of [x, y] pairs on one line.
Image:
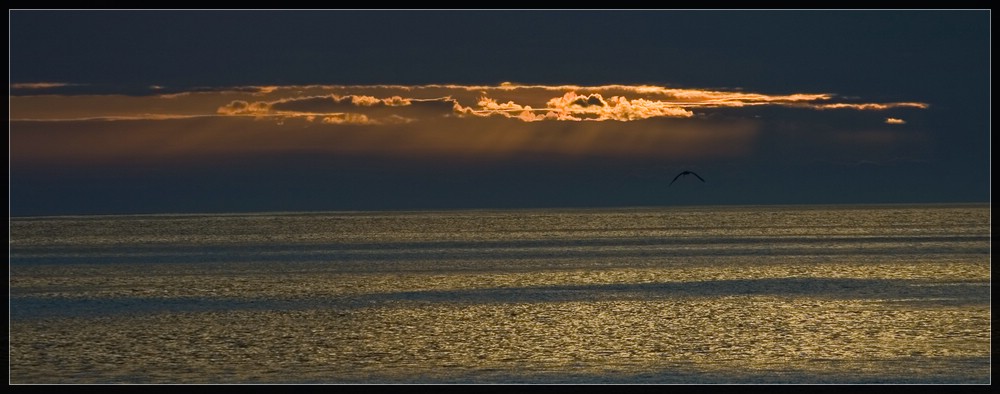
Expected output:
{"points": [[699, 177], [675, 178]]}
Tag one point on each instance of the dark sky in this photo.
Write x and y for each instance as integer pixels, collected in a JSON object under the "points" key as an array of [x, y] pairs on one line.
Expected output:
{"points": [[97, 97]]}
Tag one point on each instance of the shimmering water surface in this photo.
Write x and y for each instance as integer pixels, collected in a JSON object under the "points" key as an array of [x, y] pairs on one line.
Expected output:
{"points": [[794, 294]]}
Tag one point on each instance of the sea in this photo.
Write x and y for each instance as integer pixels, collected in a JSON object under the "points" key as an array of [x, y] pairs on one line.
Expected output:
{"points": [[817, 294]]}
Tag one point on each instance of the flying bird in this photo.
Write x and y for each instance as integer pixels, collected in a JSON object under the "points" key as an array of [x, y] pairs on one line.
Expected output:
{"points": [[686, 173]]}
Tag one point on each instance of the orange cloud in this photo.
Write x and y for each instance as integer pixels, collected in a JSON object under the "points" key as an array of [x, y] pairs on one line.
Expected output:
{"points": [[500, 121], [712, 98], [333, 109], [348, 118], [574, 107], [380, 103], [869, 106], [240, 107], [40, 85]]}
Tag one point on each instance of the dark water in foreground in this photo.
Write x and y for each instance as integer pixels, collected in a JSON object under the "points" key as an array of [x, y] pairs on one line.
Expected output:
{"points": [[798, 294]]}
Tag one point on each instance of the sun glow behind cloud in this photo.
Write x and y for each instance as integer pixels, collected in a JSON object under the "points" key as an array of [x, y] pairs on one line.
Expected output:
{"points": [[397, 120]]}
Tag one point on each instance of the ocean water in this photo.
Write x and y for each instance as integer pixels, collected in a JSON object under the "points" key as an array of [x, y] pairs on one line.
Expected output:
{"points": [[756, 294]]}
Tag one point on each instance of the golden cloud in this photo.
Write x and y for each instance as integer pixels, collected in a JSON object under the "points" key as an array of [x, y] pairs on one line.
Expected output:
{"points": [[40, 85], [335, 109], [240, 107], [380, 103], [348, 118], [869, 106], [574, 107]]}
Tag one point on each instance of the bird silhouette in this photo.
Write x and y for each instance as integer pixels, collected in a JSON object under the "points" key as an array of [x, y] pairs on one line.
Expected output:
{"points": [[686, 173]]}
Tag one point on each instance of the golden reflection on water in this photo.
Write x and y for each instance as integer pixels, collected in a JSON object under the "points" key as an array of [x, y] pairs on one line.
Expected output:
{"points": [[537, 331], [742, 295], [729, 336], [320, 280]]}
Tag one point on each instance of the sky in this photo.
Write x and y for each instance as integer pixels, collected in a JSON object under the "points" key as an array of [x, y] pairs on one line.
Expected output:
{"points": [[144, 112]]}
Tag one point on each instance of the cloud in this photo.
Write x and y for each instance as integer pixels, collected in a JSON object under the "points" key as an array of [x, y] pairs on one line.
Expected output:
{"points": [[387, 104], [40, 85], [533, 103], [240, 107], [616, 108], [334, 103], [349, 109], [574, 107], [469, 121], [894, 121], [348, 118], [869, 106], [714, 98]]}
